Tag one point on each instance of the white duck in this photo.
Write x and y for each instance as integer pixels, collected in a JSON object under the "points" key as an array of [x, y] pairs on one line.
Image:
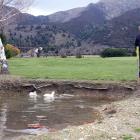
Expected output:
{"points": [[33, 94], [50, 96]]}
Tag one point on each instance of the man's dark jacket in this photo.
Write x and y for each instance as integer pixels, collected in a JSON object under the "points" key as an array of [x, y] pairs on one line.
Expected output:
{"points": [[137, 42]]}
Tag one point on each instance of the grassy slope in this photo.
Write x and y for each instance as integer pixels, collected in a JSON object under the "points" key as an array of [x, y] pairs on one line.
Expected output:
{"points": [[90, 68]]}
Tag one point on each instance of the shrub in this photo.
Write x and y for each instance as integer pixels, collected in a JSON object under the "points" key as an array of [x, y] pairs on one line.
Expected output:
{"points": [[8, 54], [137, 130], [114, 52], [134, 53], [128, 137], [63, 53], [11, 51], [3, 39], [78, 55], [63, 56]]}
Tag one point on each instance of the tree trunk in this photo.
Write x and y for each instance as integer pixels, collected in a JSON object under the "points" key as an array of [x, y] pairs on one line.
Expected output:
{"points": [[4, 63]]}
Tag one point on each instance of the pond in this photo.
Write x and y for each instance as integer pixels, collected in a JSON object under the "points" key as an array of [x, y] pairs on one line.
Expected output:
{"points": [[26, 115]]}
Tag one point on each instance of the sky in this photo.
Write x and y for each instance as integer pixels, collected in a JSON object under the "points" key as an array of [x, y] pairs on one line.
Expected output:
{"points": [[46, 7]]}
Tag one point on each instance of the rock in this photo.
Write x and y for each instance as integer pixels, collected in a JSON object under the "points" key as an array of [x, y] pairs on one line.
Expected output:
{"points": [[4, 67], [81, 139], [99, 122], [35, 126], [41, 117], [113, 138], [137, 113], [111, 116], [109, 110], [113, 111], [105, 109]]}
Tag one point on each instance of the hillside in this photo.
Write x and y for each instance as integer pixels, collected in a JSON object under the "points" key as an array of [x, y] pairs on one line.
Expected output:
{"points": [[118, 32], [65, 16], [108, 8], [115, 8], [107, 23], [92, 16], [49, 37]]}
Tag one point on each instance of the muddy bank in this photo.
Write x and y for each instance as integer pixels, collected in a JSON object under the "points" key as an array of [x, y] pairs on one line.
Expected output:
{"points": [[97, 90]]}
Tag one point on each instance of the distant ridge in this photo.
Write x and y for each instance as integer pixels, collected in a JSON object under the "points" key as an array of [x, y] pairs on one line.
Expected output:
{"points": [[108, 23]]}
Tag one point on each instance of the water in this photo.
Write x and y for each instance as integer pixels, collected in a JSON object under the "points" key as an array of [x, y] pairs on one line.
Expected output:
{"points": [[18, 112]]}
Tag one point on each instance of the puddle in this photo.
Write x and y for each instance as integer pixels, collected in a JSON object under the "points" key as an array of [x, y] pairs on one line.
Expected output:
{"points": [[18, 113]]}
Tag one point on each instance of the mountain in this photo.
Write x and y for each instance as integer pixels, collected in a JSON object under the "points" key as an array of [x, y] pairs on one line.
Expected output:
{"points": [[109, 22], [58, 17], [117, 32], [65, 16], [28, 19], [115, 8], [104, 24], [120, 31], [109, 8], [92, 15]]}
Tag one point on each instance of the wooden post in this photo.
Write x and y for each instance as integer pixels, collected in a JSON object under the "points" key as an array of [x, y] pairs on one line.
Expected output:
{"points": [[138, 64]]}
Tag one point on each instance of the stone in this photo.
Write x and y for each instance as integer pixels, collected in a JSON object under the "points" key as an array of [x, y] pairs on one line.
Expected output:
{"points": [[113, 138], [4, 67], [113, 111]]}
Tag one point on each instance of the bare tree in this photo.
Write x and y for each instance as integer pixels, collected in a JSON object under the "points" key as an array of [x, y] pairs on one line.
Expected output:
{"points": [[9, 9]]}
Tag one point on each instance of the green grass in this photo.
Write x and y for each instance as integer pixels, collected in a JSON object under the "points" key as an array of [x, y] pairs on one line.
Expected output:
{"points": [[89, 68], [137, 130], [128, 137]]}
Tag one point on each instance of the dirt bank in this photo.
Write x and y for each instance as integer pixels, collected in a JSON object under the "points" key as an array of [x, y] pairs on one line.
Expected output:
{"points": [[96, 89]]}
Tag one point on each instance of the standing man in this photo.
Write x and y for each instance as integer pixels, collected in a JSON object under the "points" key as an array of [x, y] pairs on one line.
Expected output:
{"points": [[137, 47], [137, 42], [39, 51]]}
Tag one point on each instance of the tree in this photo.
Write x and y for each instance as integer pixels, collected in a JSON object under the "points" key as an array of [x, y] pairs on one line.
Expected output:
{"points": [[78, 53], [114, 52], [9, 9], [11, 51]]}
